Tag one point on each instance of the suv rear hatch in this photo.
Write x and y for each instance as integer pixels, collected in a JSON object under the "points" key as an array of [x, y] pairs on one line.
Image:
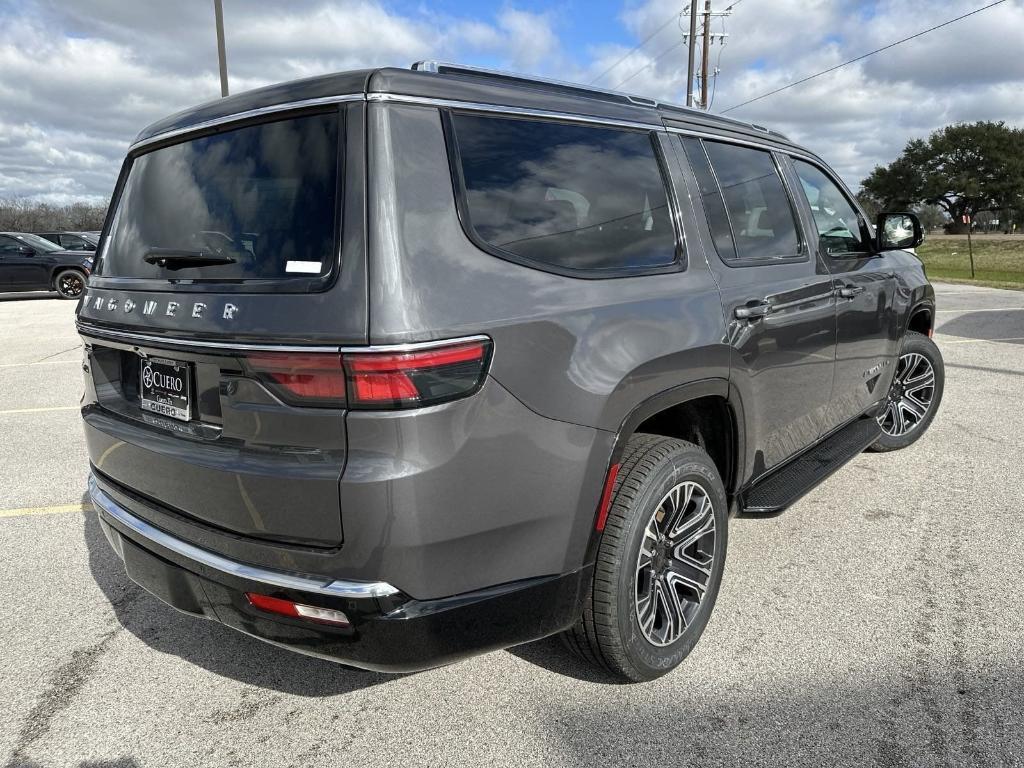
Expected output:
{"points": [[230, 273]]}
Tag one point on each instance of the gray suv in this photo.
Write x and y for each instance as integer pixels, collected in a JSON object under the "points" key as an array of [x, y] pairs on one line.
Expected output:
{"points": [[398, 366]]}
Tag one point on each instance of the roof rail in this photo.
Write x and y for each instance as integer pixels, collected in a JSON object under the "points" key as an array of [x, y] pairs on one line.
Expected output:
{"points": [[441, 67]]}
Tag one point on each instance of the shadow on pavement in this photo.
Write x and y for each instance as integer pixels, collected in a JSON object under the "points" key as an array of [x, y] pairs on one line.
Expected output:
{"points": [[208, 644], [1007, 326], [29, 296]]}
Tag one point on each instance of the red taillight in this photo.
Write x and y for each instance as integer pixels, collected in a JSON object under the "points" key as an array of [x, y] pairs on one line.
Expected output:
{"points": [[303, 378], [297, 610], [375, 379], [606, 497], [412, 379]]}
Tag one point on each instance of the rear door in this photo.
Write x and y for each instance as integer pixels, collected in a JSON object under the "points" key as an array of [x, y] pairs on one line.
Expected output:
{"points": [[776, 295], [232, 273], [864, 283]]}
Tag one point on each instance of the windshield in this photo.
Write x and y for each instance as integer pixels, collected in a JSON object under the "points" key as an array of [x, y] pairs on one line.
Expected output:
{"points": [[38, 243], [254, 203]]}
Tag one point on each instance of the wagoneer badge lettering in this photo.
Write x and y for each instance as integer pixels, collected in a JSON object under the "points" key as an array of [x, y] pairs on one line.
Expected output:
{"points": [[149, 307]]}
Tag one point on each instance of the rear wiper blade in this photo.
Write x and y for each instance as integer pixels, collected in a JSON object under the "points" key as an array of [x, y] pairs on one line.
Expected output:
{"points": [[176, 258]]}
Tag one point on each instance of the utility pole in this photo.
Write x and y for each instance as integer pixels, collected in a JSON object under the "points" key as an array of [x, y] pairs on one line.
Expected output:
{"points": [[704, 55], [693, 47], [222, 57]]}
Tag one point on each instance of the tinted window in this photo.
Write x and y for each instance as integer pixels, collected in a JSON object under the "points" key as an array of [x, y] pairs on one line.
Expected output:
{"points": [[711, 196], [839, 225], [7, 245], [759, 209], [263, 196], [573, 197]]}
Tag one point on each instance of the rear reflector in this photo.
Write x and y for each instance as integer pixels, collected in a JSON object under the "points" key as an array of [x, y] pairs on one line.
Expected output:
{"points": [[606, 497], [414, 379], [297, 610]]}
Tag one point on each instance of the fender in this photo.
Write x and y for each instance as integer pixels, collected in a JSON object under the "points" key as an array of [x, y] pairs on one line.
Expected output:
{"points": [[684, 393]]}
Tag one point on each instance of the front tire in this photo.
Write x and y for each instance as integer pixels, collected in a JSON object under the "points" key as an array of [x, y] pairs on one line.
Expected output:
{"points": [[914, 395], [69, 284], [659, 563]]}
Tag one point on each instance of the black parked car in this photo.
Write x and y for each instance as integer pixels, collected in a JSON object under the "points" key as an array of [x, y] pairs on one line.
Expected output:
{"points": [[33, 263], [394, 367], [73, 241]]}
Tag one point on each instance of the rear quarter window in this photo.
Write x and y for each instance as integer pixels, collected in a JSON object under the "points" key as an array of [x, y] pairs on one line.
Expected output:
{"points": [[264, 196], [569, 198]]}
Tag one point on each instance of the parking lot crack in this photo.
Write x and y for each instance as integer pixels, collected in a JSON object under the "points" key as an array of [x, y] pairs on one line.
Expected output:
{"points": [[64, 685]]}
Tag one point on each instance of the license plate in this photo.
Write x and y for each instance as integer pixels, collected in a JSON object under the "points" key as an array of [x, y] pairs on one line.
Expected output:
{"points": [[164, 387]]}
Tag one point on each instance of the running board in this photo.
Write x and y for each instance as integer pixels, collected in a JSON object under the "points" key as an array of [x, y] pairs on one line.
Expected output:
{"points": [[795, 479]]}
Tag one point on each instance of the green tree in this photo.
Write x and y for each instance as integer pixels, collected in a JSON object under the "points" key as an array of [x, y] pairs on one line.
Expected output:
{"points": [[963, 169]]}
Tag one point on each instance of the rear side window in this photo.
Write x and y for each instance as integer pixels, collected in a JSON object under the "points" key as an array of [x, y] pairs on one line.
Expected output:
{"points": [[569, 197], [261, 198], [761, 218]]}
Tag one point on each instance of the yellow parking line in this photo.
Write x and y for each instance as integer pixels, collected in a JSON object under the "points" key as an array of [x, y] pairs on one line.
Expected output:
{"points": [[55, 510], [40, 410]]}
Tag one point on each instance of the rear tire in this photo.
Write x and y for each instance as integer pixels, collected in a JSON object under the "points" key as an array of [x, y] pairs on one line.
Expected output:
{"points": [[914, 395], [69, 284], [659, 563]]}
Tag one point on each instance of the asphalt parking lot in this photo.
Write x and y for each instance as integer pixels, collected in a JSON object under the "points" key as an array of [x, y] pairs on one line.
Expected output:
{"points": [[877, 622]]}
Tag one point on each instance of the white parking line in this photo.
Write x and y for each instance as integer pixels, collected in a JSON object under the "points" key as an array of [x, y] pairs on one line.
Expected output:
{"points": [[981, 309], [40, 362], [950, 340]]}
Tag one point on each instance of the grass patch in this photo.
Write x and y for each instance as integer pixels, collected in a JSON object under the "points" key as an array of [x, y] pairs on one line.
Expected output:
{"points": [[998, 260]]}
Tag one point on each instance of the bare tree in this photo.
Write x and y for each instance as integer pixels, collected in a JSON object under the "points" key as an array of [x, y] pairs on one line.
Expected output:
{"points": [[23, 215]]}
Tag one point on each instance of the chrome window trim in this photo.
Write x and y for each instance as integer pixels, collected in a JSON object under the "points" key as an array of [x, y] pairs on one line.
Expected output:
{"points": [[250, 113], [478, 106], [91, 331], [322, 586], [781, 148]]}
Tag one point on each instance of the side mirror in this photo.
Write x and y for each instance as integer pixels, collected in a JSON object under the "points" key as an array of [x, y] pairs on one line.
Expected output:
{"points": [[24, 250], [896, 231]]}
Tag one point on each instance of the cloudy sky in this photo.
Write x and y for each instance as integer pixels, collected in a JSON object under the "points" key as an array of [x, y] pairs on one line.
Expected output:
{"points": [[79, 78]]}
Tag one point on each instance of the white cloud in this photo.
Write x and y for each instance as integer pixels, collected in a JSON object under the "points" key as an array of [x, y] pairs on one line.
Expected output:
{"points": [[79, 80]]}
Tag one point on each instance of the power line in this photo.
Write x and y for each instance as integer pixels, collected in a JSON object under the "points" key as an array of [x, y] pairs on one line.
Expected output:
{"points": [[649, 64], [642, 43], [859, 58]]}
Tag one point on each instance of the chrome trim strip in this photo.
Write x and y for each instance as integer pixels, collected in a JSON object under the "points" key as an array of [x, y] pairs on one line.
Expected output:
{"points": [[782, 147], [128, 336], [268, 110], [348, 589], [800, 302], [437, 67], [415, 346], [92, 331], [477, 106]]}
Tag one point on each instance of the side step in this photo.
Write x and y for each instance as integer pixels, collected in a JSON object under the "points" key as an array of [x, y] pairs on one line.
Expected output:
{"points": [[788, 483]]}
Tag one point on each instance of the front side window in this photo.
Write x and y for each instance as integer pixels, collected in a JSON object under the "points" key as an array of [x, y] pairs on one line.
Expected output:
{"points": [[8, 245], [255, 203], [36, 243], [565, 196], [840, 228], [762, 218]]}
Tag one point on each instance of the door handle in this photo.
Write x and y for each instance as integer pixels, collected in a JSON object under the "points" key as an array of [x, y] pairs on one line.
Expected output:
{"points": [[753, 311], [849, 291]]}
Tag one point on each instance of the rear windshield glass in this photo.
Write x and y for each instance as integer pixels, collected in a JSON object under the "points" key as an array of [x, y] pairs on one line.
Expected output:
{"points": [[254, 203], [568, 196]]}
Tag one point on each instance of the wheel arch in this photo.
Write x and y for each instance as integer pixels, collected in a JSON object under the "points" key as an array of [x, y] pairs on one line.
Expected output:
{"points": [[703, 412], [65, 268], [921, 318]]}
